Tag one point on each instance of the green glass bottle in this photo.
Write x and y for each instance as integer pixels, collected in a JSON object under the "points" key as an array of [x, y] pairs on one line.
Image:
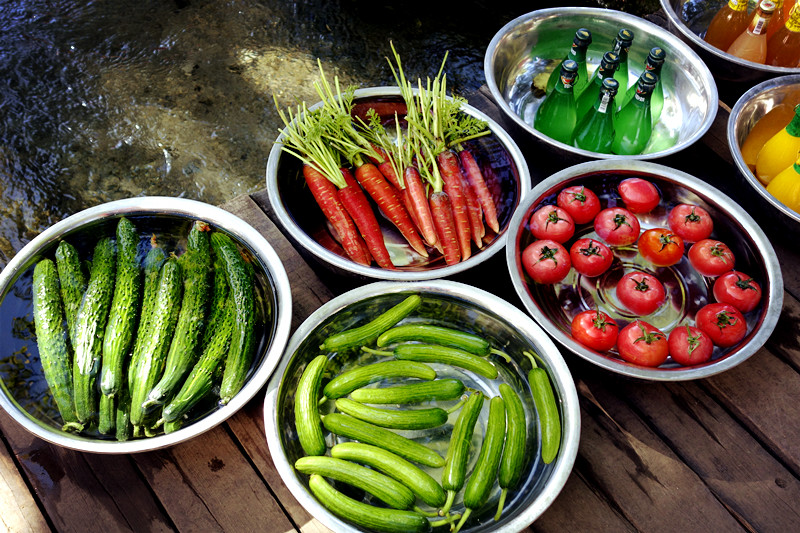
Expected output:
{"points": [[556, 116], [588, 97], [580, 44], [622, 44], [634, 123], [653, 63], [595, 131]]}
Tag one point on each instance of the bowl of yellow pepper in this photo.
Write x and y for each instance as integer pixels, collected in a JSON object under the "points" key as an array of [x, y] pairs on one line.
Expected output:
{"points": [[764, 139]]}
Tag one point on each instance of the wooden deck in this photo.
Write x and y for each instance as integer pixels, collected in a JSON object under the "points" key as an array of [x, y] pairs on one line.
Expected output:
{"points": [[720, 454]]}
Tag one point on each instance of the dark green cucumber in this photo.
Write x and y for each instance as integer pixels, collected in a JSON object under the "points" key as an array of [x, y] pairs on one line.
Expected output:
{"points": [[124, 309], [368, 332], [514, 449], [52, 340], [124, 429], [433, 334], [306, 407], [352, 428], [240, 280], [383, 487], [455, 462], [420, 482], [205, 373], [107, 415], [482, 479], [73, 283], [219, 299], [90, 325], [364, 515], [357, 377], [546, 409], [394, 418], [150, 351], [439, 389], [184, 350], [431, 353]]}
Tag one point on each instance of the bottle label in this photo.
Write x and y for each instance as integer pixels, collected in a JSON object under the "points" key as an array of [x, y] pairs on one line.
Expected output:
{"points": [[567, 81], [793, 22], [604, 103], [738, 5], [757, 26]]}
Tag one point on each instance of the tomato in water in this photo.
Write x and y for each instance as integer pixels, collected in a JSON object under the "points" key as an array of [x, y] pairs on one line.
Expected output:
{"points": [[640, 196], [581, 203], [617, 226], [711, 257], [595, 330], [546, 261], [641, 293], [691, 222], [661, 247], [737, 289], [590, 257], [723, 323], [643, 344], [552, 222], [689, 346]]}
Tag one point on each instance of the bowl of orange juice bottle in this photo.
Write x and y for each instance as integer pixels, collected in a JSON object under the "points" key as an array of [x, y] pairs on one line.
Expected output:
{"points": [[764, 138]]}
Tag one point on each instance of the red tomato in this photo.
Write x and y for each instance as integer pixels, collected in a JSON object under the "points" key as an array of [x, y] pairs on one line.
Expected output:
{"points": [[546, 261], [711, 258], [640, 196], [642, 344], [641, 293], [595, 330], [590, 257], [689, 346], [617, 226], [737, 289], [691, 222], [551, 222], [581, 203], [661, 247], [723, 323]]}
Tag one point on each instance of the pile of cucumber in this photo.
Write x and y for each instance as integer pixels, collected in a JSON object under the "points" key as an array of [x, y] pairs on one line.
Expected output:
{"points": [[129, 349], [374, 456]]}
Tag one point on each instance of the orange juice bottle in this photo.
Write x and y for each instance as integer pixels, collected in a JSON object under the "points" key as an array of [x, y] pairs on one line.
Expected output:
{"points": [[777, 16], [729, 22], [751, 45], [767, 126], [779, 151], [786, 186], [783, 49]]}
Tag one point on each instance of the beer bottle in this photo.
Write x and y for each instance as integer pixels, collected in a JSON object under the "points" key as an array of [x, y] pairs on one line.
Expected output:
{"points": [[783, 49], [580, 43], [622, 44], [589, 95], [729, 22], [595, 131], [556, 116], [634, 124], [653, 63], [751, 45]]}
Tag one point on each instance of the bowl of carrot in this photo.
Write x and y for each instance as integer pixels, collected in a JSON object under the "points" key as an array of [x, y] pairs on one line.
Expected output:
{"points": [[395, 183], [392, 404]]}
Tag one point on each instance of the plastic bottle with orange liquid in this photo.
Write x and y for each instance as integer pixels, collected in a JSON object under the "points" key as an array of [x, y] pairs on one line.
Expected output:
{"points": [[751, 45], [766, 127], [785, 187], [779, 151], [777, 19], [783, 49], [729, 22]]}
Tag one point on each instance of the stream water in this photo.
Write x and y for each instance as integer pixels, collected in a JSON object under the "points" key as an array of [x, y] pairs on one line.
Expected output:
{"points": [[108, 99]]}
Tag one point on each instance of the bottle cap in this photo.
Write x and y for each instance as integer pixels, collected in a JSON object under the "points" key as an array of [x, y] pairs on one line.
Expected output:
{"points": [[648, 78], [611, 86], [625, 36], [583, 37], [657, 55], [569, 66], [767, 6], [610, 60]]}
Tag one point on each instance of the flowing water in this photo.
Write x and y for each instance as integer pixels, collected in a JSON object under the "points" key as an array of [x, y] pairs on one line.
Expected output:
{"points": [[109, 99]]}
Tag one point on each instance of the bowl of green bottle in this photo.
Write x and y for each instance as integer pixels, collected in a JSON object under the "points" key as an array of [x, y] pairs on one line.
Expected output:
{"points": [[528, 68]]}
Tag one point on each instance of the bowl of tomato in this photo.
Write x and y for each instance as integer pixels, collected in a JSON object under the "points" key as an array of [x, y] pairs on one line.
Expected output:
{"points": [[645, 270]]}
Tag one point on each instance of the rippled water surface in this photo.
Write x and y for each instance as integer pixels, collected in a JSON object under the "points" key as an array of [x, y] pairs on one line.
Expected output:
{"points": [[109, 99]]}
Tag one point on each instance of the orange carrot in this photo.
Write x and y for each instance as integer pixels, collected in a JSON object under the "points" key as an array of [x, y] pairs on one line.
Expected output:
{"points": [[478, 184], [419, 200], [477, 230], [356, 203], [445, 225], [453, 186]]}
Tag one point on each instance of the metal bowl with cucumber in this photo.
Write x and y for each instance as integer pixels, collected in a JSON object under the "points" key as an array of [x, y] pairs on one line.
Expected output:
{"points": [[407, 378], [147, 273]]}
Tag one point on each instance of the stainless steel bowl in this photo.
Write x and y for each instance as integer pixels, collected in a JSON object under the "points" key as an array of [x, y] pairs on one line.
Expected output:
{"points": [[535, 42], [296, 212], [689, 19], [170, 219], [753, 105], [554, 306], [450, 304]]}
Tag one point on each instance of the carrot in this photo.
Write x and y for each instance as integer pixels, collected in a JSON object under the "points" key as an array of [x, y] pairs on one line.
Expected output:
{"points": [[419, 201], [356, 203], [478, 184], [327, 197], [445, 225], [453, 186], [477, 229]]}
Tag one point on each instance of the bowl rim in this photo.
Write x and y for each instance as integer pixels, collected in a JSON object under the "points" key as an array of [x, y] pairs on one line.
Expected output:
{"points": [[557, 366], [673, 18], [736, 150], [774, 296], [623, 17], [377, 273], [168, 206]]}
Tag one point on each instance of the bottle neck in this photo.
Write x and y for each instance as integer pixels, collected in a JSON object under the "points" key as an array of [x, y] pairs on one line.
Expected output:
{"points": [[758, 26], [578, 52], [793, 22], [604, 103], [565, 84], [655, 68]]}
